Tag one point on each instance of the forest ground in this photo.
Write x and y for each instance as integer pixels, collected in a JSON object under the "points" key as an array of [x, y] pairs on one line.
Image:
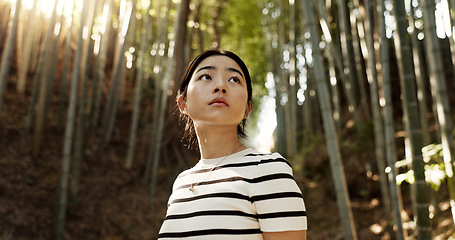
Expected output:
{"points": [[113, 204]]}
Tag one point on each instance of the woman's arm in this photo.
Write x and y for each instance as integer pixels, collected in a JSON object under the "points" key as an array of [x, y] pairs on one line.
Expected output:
{"points": [[288, 235]]}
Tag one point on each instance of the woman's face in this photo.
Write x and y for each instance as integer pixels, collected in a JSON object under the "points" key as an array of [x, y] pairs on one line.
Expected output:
{"points": [[217, 93]]}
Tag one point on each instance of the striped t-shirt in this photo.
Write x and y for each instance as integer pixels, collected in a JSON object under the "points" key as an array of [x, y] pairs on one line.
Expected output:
{"points": [[246, 194]]}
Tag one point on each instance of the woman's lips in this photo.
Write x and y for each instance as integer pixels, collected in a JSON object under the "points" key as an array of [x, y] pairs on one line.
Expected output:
{"points": [[218, 102]]}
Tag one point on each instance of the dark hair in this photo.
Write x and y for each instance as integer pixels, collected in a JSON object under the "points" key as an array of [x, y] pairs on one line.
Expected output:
{"points": [[189, 127]]}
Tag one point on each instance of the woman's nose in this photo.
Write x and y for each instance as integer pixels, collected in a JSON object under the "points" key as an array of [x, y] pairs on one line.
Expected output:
{"points": [[220, 87]]}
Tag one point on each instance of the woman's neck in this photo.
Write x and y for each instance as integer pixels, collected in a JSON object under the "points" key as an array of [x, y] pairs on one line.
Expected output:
{"points": [[218, 142]]}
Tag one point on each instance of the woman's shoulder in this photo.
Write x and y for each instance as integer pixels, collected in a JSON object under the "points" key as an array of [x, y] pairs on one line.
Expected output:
{"points": [[252, 153], [273, 161], [265, 156]]}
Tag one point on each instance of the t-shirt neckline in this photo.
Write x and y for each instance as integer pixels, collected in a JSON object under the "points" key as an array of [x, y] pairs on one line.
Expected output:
{"points": [[211, 161]]}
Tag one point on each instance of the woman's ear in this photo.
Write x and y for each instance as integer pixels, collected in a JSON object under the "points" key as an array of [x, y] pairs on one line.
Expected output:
{"points": [[249, 108], [182, 105]]}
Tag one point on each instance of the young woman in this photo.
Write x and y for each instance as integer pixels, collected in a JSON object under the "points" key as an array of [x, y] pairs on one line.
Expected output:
{"points": [[233, 192]]}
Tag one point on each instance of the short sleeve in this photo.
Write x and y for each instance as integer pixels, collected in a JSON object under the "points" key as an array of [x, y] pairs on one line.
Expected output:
{"points": [[277, 197]]}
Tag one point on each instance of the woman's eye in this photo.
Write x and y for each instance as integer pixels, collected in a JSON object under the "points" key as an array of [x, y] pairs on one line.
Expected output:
{"points": [[234, 79], [205, 77]]}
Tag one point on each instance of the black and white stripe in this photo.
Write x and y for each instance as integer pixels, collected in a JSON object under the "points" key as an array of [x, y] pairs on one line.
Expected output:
{"points": [[247, 195]]}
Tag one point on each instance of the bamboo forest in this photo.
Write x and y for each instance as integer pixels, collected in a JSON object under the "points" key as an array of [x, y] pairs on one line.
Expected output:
{"points": [[356, 94]]}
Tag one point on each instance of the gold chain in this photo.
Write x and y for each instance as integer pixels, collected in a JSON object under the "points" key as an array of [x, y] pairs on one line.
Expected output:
{"points": [[208, 174]]}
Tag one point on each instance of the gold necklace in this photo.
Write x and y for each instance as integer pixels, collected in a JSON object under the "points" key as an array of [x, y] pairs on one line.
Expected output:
{"points": [[191, 188]]}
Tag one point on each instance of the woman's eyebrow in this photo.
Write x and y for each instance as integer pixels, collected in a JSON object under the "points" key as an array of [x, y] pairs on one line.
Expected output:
{"points": [[235, 70], [206, 67], [231, 69]]}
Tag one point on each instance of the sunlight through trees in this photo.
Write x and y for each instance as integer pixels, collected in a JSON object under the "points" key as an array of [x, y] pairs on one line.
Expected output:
{"points": [[362, 85]]}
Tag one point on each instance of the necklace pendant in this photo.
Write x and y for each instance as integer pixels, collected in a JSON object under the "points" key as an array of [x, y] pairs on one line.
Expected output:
{"points": [[191, 189]]}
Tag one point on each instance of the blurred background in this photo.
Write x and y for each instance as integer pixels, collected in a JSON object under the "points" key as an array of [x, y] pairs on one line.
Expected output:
{"points": [[356, 94]]}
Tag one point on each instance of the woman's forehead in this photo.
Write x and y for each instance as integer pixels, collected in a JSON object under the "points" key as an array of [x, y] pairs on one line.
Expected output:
{"points": [[218, 61]]}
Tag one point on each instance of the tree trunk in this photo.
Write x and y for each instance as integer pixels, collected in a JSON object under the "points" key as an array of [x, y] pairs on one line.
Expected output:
{"points": [[20, 38], [354, 20], [310, 124], [333, 57], [8, 50], [347, 52], [283, 88], [452, 26], [450, 29], [215, 19], [379, 135], [34, 97], [452, 14], [35, 52], [440, 96], [189, 50], [161, 45], [182, 17], [283, 84], [102, 9], [275, 59], [390, 195], [128, 73], [23, 71], [4, 20], [37, 67], [390, 155], [140, 75], [372, 77], [418, 58], [180, 42], [293, 78], [420, 189], [81, 116], [63, 101], [332, 48], [68, 140], [199, 31], [332, 140], [54, 60], [47, 53], [113, 100], [101, 63]]}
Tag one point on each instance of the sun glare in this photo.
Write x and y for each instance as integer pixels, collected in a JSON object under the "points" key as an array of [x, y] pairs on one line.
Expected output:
{"points": [[263, 141], [45, 7]]}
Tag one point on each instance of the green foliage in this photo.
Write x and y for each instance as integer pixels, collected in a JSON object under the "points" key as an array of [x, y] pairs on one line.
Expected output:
{"points": [[240, 23], [434, 167], [435, 173], [242, 32]]}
